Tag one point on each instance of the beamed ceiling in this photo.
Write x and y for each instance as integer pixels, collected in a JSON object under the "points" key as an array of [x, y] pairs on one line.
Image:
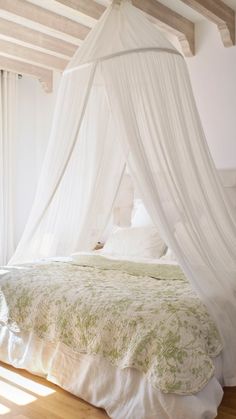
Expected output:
{"points": [[38, 37]]}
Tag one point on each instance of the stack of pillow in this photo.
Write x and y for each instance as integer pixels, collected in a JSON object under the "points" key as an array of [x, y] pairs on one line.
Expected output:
{"points": [[141, 240]]}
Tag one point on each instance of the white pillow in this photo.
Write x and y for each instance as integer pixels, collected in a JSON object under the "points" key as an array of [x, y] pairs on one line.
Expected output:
{"points": [[143, 242], [140, 216]]}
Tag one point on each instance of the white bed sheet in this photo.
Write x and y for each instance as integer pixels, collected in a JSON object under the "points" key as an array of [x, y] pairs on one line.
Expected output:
{"points": [[124, 394], [101, 252]]}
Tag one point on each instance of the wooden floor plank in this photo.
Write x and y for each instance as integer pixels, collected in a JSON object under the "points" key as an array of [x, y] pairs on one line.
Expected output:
{"points": [[61, 404], [227, 409]]}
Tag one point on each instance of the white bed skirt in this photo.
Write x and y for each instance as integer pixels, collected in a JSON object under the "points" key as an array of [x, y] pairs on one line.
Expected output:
{"points": [[124, 394]]}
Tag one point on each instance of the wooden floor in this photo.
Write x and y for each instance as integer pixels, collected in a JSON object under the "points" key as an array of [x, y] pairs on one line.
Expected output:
{"points": [[24, 396], [227, 408]]}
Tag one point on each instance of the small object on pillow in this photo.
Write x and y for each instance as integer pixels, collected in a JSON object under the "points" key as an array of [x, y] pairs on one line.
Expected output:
{"points": [[98, 246], [143, 242]]}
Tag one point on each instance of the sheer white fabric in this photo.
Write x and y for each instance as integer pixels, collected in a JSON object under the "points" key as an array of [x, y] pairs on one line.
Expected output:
{"points": [[126, 96], [171, 165], [8, 98], [81, 173]]}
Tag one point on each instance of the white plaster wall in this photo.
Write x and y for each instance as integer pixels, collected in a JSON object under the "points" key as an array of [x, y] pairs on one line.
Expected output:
{"points": [[213, 76], [35, 110]]}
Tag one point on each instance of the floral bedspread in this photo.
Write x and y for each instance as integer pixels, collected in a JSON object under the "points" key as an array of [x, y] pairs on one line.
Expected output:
{"points": [[158, 326]]}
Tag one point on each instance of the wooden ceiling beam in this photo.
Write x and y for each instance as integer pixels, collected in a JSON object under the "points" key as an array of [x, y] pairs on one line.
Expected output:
{"points": [[38, 39], [44, 17], [44, 76], [219, 13], [87, 7], [31, 56], [172, 22], [166, 18]]}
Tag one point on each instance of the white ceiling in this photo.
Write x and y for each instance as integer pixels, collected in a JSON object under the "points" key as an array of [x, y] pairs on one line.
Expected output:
{"points": [[176, 5], [231, 3], [59, 8], [181, 8]]}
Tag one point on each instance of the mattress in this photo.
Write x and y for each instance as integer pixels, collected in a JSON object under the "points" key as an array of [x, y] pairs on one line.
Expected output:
{"points": [[85, 356]]}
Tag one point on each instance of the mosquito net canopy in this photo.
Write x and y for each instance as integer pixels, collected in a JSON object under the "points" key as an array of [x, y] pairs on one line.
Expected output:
{"points": [[124, 99]]}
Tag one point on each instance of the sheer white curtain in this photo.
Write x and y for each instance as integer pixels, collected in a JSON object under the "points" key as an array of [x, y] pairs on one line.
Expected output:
{"points": [[170, 162], [8, 117], [81, 174], [84, 161]]}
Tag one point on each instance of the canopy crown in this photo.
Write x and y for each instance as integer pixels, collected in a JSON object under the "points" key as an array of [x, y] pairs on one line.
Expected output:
{"points": [[126, 28]]}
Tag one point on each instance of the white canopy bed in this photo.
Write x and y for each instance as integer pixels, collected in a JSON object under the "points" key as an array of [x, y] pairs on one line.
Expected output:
{"points": [[126, 99]]}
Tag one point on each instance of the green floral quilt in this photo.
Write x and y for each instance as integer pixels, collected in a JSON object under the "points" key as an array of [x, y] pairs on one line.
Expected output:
{"points": [[158, 326]]}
